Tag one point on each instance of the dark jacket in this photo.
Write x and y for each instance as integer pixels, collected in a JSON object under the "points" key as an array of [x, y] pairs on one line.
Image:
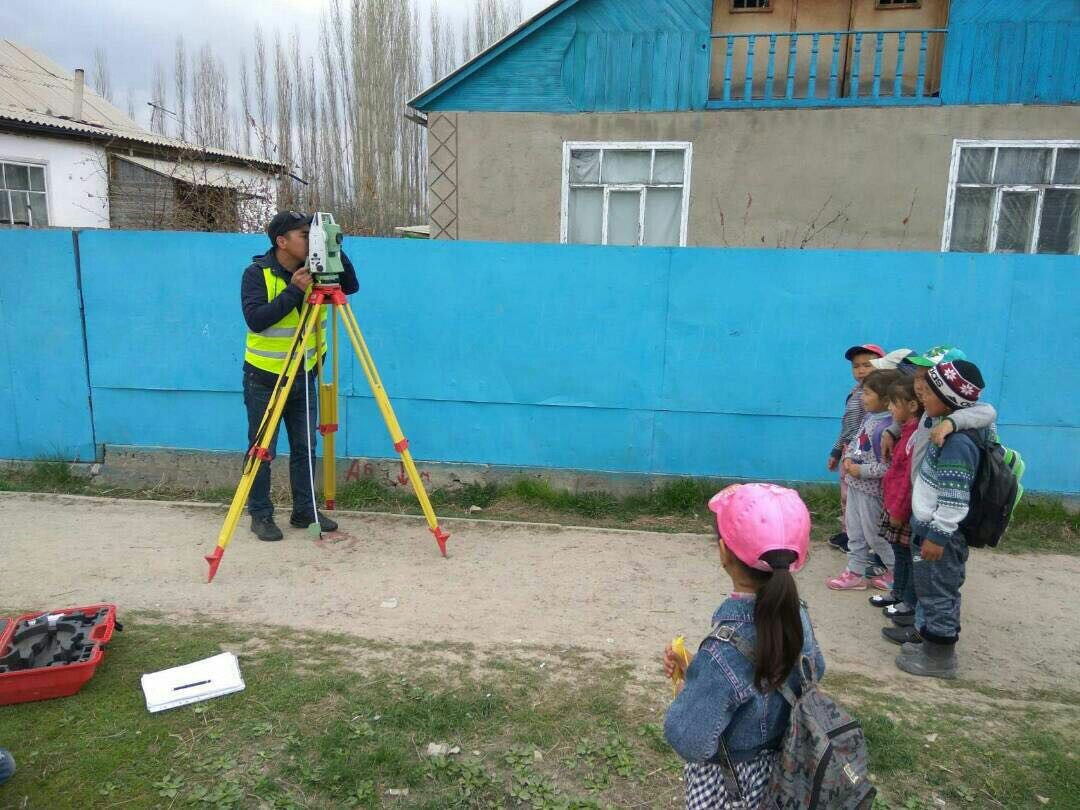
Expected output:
{"points": [[261, 314]]}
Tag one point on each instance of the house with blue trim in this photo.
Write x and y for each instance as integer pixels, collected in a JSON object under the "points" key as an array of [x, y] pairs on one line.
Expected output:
{"points": [[882, 124]]}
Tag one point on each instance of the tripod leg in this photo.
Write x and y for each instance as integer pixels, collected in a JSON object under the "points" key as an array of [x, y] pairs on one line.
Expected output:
{"points": [[401, 444], [328, 410], [271, 417]]}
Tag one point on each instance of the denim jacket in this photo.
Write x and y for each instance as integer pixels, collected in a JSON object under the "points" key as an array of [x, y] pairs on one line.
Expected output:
{"points": [[720, 699]]}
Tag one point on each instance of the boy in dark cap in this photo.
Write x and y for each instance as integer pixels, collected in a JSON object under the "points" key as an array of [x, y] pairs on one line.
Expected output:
{"points": [[939, 502]]}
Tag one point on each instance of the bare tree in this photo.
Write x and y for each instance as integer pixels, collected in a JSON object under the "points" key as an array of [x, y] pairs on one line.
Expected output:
{"points": [[262, 104], [159, 101], [99, 77], [180, 85], [244, 125], [210, 123], [131, 102]]}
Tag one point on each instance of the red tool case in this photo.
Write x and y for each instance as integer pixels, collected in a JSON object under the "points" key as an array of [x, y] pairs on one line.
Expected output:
{"points": [[51, 654]]}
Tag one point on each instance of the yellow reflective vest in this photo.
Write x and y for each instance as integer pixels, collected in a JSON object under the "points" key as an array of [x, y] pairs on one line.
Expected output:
{"points": [[267, 350]]}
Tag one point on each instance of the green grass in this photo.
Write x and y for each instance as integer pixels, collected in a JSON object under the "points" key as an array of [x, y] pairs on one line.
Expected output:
{"points": [[1040, 524], [331, 721]]}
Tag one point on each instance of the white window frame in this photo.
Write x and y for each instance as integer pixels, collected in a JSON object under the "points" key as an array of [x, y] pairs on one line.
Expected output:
{"points": [[34, 164], [954, 172], [664, 146]]}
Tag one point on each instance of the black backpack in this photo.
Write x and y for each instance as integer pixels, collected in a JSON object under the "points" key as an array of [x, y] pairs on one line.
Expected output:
{"points": [[994, 493]]}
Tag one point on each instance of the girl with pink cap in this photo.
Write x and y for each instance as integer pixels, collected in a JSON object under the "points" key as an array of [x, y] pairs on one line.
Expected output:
{"points": [[728, 718]]}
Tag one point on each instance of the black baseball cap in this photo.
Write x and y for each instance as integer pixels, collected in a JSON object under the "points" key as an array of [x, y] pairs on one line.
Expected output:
{"points": [[285, 221]]}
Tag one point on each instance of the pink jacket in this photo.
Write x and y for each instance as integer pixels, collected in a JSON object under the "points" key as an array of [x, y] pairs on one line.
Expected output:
{"points": [[897, 481]]}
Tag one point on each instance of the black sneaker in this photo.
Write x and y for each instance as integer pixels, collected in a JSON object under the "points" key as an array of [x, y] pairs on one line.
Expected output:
{"points": [[303, 521], [901, 635], [266, 529], [903, 620], [839, 542], [884, 600]]}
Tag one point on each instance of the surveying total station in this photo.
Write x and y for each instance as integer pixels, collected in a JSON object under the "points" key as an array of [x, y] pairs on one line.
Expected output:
{"points": [[324, 264]]}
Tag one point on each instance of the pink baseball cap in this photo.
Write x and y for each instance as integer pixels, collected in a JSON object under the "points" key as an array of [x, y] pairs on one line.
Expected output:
{"points": [[754, 519]]}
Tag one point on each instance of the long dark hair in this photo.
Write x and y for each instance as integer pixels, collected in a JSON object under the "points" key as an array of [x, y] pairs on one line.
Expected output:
{"points": [[777, 618]]}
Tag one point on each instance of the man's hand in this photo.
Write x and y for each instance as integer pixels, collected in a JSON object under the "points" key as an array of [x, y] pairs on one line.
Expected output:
{"points": [[302, 278], [941, 431], [887, 443], [851, 468], [832, 463], [931, 551]]}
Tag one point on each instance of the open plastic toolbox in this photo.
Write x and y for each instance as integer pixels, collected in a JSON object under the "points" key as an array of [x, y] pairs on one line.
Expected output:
{"points": [[52, 653]]}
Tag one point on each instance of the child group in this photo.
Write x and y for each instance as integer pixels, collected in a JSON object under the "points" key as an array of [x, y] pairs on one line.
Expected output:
{"points": [[908, 458], [907, 463]]}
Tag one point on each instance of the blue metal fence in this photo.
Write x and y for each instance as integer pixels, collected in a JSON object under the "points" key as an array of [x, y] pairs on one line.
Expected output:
{"points": [[700, 361], [827, 68]]}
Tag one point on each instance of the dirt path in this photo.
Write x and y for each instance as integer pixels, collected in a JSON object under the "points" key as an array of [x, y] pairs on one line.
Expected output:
{"points": [[504, 584]]}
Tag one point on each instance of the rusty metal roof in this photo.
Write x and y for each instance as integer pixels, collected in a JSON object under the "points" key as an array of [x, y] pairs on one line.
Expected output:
{"points": [[36, 91]]}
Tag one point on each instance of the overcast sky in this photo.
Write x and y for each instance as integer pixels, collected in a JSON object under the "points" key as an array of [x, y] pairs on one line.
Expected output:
{"points": [[137, 33]]}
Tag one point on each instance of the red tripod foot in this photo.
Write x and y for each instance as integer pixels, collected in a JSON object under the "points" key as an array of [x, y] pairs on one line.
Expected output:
{"points": [[215, 560], [440, 537]]}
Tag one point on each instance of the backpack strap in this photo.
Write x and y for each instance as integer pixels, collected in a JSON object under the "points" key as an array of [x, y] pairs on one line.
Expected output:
{"points": [[729, 635]]}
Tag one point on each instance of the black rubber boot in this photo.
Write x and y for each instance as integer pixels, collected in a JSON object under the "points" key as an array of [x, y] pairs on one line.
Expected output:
{"points": [[266, 529], [901, 635], [303, 521], [932, 660]]}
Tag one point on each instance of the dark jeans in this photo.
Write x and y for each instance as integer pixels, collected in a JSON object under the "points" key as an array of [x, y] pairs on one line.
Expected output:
{"points": [[301, 430], [903, 575], [938, 584]]}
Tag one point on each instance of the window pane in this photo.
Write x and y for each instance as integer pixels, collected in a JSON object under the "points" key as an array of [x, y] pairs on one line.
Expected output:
{"points": [[37, 178], [1060, 228], [627, 166], [663, 216], [585, 166], [1067, 171], [585, 215], [20, 209], [1022, 165], [39, 211], [669, 166], [971, 220], [5, 209], [975, 165], [1016, 221], [624, 208], [18, 177]]}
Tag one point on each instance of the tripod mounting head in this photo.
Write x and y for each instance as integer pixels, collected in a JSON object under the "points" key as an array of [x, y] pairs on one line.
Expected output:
{"points": [[324, 250]]}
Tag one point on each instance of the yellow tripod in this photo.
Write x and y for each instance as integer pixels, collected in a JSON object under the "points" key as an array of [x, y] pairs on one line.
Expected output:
{"points": [[310, 321]]}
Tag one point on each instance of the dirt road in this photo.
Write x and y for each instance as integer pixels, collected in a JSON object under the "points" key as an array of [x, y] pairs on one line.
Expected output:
{"points": [[504, 584]]}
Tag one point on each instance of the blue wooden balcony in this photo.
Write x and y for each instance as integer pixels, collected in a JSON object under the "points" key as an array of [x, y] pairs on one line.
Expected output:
{"points": [[827, 68]]}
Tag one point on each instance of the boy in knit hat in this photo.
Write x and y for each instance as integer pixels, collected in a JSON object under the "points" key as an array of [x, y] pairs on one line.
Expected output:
{"points": [[939, 502], [930, 430]]}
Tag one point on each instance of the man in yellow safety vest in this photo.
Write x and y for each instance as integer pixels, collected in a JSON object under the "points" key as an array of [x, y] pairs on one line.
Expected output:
{"points": [[271, 293]]}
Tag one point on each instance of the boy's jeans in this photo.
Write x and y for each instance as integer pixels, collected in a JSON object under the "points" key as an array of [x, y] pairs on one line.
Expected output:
{"points": [[301, 444], [903, 575], [937, 589], [863, 518]]}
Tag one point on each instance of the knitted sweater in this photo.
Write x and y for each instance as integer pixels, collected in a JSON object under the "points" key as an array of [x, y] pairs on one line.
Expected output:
{"points": [[942, 492], [897, 480], [849, 423], [865, 450]]}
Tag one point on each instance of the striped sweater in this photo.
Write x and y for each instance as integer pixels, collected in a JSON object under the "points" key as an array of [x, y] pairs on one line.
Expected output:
{"points": [[852, 419], [942, 491]]}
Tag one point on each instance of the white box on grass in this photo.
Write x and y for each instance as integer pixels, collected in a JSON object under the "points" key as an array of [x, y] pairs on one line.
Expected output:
{"points": [[191, 683]]}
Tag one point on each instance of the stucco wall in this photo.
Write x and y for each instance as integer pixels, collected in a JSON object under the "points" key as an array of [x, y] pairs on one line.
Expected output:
{"points": [[860, 178], [75, 177]]}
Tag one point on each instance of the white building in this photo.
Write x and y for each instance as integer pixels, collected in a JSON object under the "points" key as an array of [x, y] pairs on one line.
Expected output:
{"points": [[68, 158]]}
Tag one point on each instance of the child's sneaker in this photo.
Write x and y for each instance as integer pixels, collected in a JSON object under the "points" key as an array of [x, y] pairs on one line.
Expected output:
{"points": [[883, 582], [839, 542], [883, 600], [7, 765], [847, 581]]}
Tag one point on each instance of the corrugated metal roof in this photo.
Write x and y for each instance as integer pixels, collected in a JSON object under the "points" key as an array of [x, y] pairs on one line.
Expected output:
{"points": [[35, 90], [195, 172]]}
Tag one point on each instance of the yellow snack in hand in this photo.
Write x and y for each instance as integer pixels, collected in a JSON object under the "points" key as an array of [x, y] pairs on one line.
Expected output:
{"points": [[678, 646]]}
